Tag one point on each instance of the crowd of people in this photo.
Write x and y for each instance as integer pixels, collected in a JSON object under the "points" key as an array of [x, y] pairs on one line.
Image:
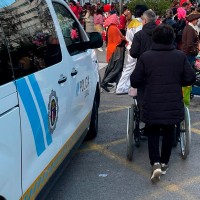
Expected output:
{"points": [[92, 17], [158, 66], [98, 18]]}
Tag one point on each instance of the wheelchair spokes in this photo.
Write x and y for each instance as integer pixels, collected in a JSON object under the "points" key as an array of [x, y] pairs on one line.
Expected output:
{"points": [[185, 135]]}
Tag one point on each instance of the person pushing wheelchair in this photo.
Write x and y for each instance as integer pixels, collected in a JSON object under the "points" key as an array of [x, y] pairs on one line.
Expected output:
{"points": [[162, 71]]}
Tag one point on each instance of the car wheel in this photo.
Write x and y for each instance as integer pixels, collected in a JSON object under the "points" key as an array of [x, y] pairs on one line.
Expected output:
{"points": [[93, 129]]}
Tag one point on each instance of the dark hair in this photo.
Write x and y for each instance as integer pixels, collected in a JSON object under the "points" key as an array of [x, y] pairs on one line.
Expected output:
{"points": [[163, 34], [139, 10], [169, 13], [198, 8], [174, 3], [185, 4], [73, 2], [192, 8], [113, 12], [99, 12], [125, 8], [92, 10]]}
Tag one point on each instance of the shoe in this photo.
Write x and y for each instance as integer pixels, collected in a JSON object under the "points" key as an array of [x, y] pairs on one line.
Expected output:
{"points": [[105, 88], [100, 49], [164, 168], [111, 85], [122, 93], [156, 173]]}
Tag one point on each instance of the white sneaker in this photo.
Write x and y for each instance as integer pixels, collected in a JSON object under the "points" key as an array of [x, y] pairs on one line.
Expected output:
{"points": [[164, 168], [100, 49], [111, 85], [156, 173]]}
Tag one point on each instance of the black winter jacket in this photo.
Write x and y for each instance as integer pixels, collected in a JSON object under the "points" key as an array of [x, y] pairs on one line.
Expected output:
{"points": [[142, 40], [163, 70]]}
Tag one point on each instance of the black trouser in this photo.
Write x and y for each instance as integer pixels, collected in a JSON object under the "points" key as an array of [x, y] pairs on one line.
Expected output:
{"points": [[114, 68], [154, 132]]}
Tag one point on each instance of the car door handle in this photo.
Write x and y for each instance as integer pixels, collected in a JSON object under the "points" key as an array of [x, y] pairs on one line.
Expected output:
{"points": [[62, 79], [74, 72]]}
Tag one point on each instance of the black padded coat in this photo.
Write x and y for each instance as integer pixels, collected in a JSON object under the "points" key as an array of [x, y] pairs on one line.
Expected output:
{"points": [[142, 40], [163, 70]]}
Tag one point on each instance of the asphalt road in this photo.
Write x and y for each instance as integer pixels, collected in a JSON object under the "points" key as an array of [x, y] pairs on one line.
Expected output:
{"points": [[100, 171]]}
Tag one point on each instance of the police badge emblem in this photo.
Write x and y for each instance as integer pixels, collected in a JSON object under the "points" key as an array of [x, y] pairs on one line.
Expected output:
{"points": [[52, 111]]}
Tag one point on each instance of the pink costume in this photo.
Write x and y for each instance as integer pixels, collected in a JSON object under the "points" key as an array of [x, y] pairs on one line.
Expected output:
{"points": [[181, 13]]}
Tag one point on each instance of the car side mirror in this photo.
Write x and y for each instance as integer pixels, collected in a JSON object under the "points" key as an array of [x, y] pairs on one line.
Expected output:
{"points": [[94, 43], [96, 40]]}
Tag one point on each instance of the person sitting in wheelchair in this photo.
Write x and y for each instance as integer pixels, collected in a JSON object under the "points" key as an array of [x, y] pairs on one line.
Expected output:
{"points": [[162, 71]]}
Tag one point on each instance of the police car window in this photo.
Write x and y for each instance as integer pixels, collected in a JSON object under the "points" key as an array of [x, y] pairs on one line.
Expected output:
{"points": [[69, 27], [31, 36], [6, 74]]}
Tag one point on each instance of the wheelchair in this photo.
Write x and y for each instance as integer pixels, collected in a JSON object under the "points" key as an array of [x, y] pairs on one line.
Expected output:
{"points": [[182, 131]]}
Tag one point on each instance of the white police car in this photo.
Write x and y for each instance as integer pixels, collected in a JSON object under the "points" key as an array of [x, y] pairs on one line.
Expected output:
{"points": [[49, 92]]}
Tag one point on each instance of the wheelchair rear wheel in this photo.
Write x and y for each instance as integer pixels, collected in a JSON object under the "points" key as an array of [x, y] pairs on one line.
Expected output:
{"points": [[130, 128], [185, 135], [136, 129]]}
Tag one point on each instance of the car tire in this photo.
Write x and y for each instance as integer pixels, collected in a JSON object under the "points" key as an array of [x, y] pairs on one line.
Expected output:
{"points": [[93, 129]]}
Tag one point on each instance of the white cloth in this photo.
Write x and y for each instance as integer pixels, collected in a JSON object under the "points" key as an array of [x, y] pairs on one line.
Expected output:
{"points": [[124, 82], [194, 27]]}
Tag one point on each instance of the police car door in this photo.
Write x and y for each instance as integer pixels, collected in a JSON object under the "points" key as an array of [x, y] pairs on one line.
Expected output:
{"points": [[42, 81], [82, 75], [10, 142]]}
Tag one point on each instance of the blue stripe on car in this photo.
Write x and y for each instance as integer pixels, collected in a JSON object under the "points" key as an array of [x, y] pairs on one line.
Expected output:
{"points": [[43, 110], [32, 114]]}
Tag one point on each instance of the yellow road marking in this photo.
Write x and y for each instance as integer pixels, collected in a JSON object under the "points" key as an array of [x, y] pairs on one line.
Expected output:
{"points": [[169, 188], [173, 188], [192, 180], [194, 130], [196, 124], [177, 189], [116, 142], [113, 109], [194, 110], [120, 159], [120, 141]]}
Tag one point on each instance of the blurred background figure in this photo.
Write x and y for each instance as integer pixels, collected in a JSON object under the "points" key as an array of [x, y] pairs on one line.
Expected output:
{"points": [[142, 42], [190, 38], [129, 17], [133, 26], [182, 11], [122, 21], [98, 23], [115, 49], [73, 6], [89, 19], [158, 19], [106, 9], [180, 24], [174, 6], [168, 18]]}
